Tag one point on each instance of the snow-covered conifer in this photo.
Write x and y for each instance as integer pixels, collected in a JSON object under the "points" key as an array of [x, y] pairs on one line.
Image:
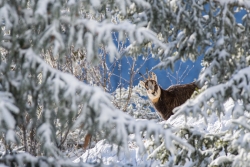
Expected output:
{"points": [[47, 97]]}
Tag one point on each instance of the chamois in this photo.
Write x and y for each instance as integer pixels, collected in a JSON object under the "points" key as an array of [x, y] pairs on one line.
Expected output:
{"points": [[165, 101]]}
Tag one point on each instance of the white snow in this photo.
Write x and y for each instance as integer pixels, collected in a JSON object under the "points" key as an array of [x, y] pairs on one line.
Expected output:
{"points": [[108, 153]]}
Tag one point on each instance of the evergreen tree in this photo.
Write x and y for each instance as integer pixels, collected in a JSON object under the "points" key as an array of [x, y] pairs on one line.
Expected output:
{"points": [[45, 98], [209, 28], [42, 103]]}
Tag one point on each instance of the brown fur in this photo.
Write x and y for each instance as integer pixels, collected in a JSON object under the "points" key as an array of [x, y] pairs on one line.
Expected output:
{"points": [[86, 141], [173, 97], [170, 98]]}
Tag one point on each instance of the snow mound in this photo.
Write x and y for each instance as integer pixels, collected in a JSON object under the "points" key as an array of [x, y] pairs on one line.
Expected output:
{"points": [[215, 124], [108, 154]]}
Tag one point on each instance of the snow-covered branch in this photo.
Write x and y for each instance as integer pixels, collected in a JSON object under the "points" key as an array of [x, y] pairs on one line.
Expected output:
{"points": [[237, 87], [116, 124]]}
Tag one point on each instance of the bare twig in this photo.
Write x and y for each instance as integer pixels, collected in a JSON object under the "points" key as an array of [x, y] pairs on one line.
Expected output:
{"points": [[179, 78], [183, 77], [132, 74]]}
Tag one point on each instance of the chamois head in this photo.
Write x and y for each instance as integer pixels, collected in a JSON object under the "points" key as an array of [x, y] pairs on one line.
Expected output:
{"points": [[153, 89]]}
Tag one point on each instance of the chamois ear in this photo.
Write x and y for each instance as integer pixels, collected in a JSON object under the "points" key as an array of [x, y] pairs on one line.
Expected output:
{"points": [[142, 84], [154, 77]]}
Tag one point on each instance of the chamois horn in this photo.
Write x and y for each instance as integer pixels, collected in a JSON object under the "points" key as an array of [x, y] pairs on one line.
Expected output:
{"points": [[148, 74], [142, 76]]}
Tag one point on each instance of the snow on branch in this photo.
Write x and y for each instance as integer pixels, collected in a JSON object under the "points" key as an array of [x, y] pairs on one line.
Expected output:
{"points": [[186, 41], [240, 3], [58, 27], [237, 87], [23, 159], [8, 110], [98, 114], [101, 33]]}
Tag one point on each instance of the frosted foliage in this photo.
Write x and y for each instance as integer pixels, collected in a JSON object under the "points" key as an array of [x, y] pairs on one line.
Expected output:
{"points": [[225, 74], [138, 106], [44, 98], [43, 105], [63, 28], [67, 94], [7, 112]]}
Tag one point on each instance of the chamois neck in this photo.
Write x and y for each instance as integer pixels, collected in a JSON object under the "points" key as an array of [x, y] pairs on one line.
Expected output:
{"points": [[154, 97]]}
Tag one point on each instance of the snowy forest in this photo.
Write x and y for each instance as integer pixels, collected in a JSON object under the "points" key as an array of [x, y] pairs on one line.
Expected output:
{"points": [[59, 103]]}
